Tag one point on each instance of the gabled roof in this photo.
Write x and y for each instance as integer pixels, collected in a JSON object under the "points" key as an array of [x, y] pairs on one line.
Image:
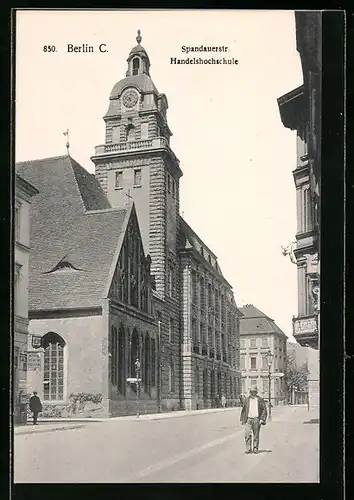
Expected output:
{"points": [[255, 321], [63, 230]]}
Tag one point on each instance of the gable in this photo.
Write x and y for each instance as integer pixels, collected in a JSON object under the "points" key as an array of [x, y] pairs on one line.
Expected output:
{"points": [[131, 282]]}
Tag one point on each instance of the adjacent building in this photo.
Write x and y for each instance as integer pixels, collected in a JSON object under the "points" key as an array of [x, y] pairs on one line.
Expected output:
{"points": [[121, 287], [23, 197], [300, 110], [259, 337]]}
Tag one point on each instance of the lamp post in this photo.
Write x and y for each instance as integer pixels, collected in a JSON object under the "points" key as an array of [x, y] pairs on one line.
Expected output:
{"points": [[159, 409], [270, 360], [137, 370]]}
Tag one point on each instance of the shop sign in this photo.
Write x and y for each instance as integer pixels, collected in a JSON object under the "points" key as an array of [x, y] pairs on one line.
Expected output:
{"points": [[33, 361], [305, 325]]}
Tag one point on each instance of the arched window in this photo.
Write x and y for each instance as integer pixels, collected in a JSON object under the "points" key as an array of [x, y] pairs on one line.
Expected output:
{"points": [[130, 132], [153, 362], [134, 353], [147, 367], [53, 379], [136, 65], [205, 386], [114, 355], [172, 376], [121, 361]]}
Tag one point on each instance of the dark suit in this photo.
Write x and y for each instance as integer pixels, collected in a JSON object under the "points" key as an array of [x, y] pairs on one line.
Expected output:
{"points": [[253, 425], [35, 407]]}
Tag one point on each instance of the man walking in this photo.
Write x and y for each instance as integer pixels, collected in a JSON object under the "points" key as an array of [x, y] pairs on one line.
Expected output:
{"points": [[253, 415], [35, 406]]}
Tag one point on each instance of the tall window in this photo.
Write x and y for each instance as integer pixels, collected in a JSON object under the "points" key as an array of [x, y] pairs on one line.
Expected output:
{"points": [[119, 180], [194, 332], [136, 65], [172, 377], [153, 362], [306, 210], [53, 377], [264, 363], [168, 182], [17, 221], [114, 355], [242, 344], [170, 329], [264, 342], [253, 383], [197, 380], [194, 288], [243, 386], [242, 363], [130, 133], [137, 177], [253, 363], [253, 342], [116, 134], [265, 385]]}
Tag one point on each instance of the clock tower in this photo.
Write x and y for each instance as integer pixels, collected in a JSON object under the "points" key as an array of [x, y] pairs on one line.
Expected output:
{"points": [[137, 163]]}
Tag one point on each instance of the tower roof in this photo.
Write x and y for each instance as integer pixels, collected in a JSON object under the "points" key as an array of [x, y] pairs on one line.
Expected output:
{"points": [[138, 49]]}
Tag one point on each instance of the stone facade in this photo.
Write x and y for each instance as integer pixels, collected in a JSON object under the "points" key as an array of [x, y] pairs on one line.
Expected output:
{"points": [[300, 110], [24, 193]]}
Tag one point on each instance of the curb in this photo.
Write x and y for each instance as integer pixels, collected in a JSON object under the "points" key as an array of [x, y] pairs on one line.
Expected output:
{"points": [[35, 431]]}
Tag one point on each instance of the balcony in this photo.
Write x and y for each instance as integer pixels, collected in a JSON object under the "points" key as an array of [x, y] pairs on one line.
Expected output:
{"points": [[129, 146], [305, 330]]}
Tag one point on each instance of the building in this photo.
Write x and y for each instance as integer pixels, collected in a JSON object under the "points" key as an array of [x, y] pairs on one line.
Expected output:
{"points": [[23, 198], [297, 353], [260, 335], [300, 110], [85, 307]]}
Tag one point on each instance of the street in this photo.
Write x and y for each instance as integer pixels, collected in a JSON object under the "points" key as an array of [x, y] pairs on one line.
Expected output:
{"points": [[205, 447]]}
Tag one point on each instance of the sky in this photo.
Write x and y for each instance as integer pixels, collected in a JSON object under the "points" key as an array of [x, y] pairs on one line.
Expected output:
{"points": [[237, 191]]}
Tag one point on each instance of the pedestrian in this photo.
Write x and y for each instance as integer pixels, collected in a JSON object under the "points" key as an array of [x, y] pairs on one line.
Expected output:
{"points": [[223, 401], [253, 415], [242, 398], [35, 406], [217, 401]]}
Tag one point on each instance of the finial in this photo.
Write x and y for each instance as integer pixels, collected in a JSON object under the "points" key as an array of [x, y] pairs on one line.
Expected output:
{"points": [[138, 38], [67, 140]]}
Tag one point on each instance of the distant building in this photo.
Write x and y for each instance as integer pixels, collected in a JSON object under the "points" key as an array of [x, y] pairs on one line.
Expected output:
{"points": [[300, 110], [23, 196], [259, 334], [297, 353]]}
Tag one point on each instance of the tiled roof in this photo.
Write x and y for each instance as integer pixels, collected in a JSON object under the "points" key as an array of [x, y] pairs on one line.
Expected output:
{"points": [[63, 230], [190, 239], [255, 321]]}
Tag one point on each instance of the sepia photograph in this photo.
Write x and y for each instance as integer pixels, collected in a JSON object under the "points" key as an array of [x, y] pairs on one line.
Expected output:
{"points": [[167, 246]]}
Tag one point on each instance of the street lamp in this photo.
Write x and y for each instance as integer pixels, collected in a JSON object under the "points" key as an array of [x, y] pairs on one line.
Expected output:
{"points": [[137, 370], [269, 360]]}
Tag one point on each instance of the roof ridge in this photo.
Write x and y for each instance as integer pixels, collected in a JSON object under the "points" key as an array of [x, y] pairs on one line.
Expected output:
{"points": [[43, 159]]}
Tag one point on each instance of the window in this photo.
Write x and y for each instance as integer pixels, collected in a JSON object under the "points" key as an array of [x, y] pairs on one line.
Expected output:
{"points": [[168, 182], [242, 363], [264, 342], [170, 329], [144, 131], [306, 210], [116, 134], [253, 342], [137, 177], [172, 377], [242, 344], [17, 221], [253, 383], [173, 188], [114, 356], [119, 180], [130, 133], [53, 377], [264, 363], [136, 65], [197, 380], [253, 363], [194, 288], [243, 385], [265, 385], [194, 332]]}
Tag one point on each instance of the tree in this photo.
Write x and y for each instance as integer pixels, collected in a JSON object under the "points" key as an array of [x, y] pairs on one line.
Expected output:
{"points": [[296, 376]]}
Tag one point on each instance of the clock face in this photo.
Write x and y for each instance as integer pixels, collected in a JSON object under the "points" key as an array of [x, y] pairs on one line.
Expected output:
{"points": [[130, 98]]}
